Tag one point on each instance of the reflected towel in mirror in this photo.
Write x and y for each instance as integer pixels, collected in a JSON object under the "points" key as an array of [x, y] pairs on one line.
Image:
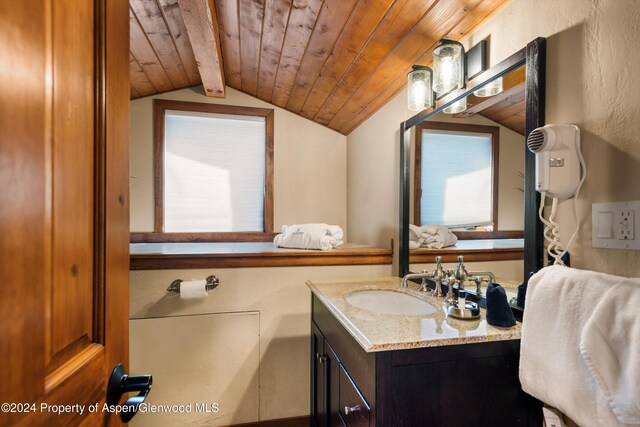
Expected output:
{"points": [[430, 236]]}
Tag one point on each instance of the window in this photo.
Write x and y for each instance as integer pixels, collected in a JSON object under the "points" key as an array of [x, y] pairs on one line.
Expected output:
{"points": [[456, 176], [213, 172]]}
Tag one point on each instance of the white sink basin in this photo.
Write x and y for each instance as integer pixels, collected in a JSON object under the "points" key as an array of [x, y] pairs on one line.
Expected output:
{"points": [[390, 302]]}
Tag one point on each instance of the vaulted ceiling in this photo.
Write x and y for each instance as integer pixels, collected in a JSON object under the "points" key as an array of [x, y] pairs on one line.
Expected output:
{"points": [[335, 62]]}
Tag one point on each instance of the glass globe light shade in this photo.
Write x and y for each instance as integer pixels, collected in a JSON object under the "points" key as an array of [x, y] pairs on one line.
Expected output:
{"points": [[448, 67], [490, 89], [456, 107], [419, 93]]}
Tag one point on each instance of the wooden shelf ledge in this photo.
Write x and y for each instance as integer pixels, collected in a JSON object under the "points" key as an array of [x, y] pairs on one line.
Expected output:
{"points": [[472, 250], [161, 256]]}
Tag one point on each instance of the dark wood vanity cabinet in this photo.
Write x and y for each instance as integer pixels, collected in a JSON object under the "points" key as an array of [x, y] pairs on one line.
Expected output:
{"points": [[462, 385]]}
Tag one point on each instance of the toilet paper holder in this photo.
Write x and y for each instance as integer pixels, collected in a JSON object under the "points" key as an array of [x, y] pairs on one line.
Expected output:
{"points": [[212, 283]]}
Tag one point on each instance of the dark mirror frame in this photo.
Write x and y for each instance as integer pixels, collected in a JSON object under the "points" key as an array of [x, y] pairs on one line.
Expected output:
{"points": [[533, 56]]}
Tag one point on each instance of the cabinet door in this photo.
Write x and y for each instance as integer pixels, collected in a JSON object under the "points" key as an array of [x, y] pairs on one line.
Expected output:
{"points": [[332, 366], [318, 379]]}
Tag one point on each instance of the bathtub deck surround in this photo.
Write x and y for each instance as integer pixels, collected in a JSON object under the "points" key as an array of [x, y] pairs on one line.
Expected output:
{"points": [[383, 332], [403, 361]]}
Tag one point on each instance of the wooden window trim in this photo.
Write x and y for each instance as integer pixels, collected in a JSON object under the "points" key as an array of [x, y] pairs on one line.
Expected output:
{"points": [[158, 235], [495, 156]]}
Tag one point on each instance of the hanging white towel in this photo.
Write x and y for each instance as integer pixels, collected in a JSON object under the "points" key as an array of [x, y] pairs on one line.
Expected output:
{"points": [[309, 236], [610, 347], [560, 302]]}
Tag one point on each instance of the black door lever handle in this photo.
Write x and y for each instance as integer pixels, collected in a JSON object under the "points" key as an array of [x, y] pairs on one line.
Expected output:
{"points": [[121, 383]]}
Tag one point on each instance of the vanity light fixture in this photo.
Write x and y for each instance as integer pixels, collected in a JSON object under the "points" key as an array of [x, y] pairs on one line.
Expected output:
{"points": [[452, 68], [456, 107], [490, 89], [448, 67], [419, 92]]}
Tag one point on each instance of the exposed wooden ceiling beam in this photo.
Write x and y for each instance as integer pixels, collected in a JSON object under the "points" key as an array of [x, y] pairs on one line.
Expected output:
{"points": [[202, 27]]}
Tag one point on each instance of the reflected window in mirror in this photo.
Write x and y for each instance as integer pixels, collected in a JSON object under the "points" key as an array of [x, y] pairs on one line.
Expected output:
{"points": [[456, 177]]}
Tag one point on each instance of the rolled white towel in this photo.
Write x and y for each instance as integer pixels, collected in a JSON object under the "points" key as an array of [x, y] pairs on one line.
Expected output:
{"points": [[309, 236], [437, 237]]}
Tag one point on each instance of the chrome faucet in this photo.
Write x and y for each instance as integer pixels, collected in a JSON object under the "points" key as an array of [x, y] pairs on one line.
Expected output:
{"points": [[439, 275], [460, 273], [424, 276], [481, 276]]}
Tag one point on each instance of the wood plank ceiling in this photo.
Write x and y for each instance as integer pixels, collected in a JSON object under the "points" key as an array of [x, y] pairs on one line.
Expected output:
{"points": [[335, 62]]}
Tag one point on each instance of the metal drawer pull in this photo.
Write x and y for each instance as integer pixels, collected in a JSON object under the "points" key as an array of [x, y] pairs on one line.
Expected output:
{"points": [[321, 357], [351, 409]]}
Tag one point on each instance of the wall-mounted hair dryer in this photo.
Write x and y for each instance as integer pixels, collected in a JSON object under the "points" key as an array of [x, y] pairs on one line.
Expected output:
{"points": [[560, 172], [557, 162]]}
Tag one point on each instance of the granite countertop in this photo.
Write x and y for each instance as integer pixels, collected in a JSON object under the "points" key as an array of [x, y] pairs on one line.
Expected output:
{"points": [[382, 332]]}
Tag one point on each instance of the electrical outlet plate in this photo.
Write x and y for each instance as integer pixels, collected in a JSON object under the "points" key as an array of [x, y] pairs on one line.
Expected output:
{"points": [[615, 225]]}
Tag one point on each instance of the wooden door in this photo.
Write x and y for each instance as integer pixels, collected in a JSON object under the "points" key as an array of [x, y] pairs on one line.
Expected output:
{"points": [[64, 113]]}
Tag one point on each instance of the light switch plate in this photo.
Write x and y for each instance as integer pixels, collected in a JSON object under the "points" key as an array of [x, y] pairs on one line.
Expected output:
{"points": [[614, 225]]}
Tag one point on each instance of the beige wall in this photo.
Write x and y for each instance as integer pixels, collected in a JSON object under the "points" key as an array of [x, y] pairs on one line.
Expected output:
{"points": [[310, 163], [592, 64], [278, 296]]}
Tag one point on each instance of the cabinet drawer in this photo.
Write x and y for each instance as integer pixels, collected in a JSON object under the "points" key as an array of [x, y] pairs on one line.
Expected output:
{"points": [[354, 410]]}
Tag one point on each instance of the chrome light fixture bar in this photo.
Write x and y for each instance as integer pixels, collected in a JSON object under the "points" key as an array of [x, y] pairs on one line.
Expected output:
{"points": [[419, 92]]}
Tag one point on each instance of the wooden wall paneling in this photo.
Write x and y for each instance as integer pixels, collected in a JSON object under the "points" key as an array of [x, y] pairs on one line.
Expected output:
{"points": [[143, 52], [25, 120], [333, 16], [139, 79], [440, 19], [480, 13], [170, 10], [202, 27], [364, 19], [228, 17], [302, 21], [73, 185], [276, 16], [251, 16], [152, 21], [400, 19]]}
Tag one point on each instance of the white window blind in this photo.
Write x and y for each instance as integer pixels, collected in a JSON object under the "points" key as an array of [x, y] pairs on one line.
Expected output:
{"points": [[214, 167], [456, 178]]}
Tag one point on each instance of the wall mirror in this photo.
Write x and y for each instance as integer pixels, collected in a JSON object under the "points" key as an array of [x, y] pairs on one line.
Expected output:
{"points": [[468, 174]]}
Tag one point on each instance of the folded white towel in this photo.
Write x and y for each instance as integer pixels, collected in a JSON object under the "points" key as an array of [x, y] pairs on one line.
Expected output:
{"points": [[309, 236], [431, 236], [560, 302], [610, 347]]}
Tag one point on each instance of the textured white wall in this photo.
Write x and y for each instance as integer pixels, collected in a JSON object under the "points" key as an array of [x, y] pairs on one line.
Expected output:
{"points": [[592, 63], [310, 163]]}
